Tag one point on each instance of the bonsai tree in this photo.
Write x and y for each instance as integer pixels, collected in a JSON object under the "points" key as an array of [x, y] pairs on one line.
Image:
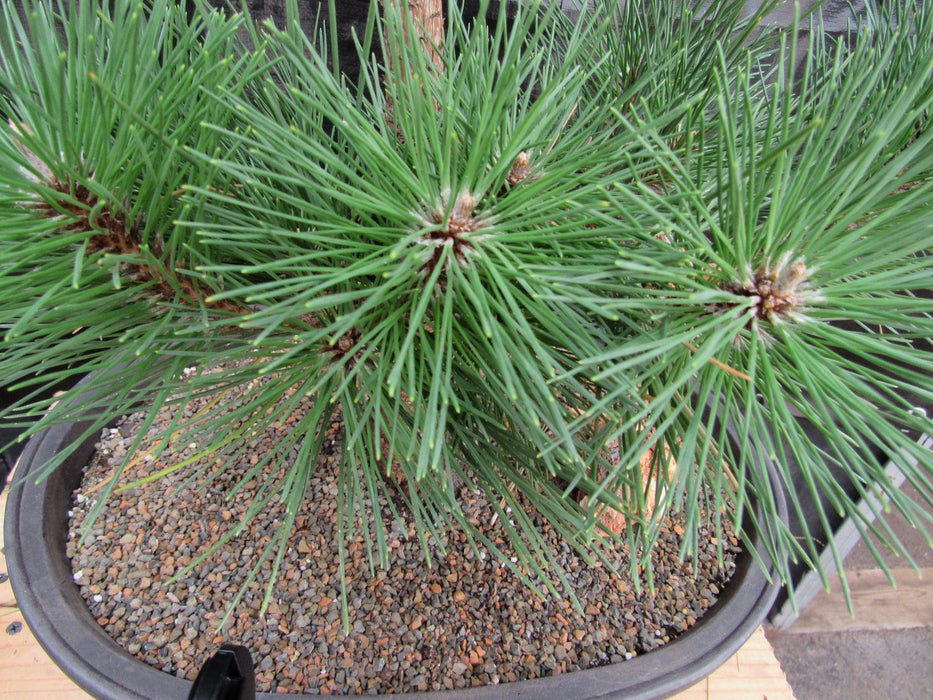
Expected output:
{"points": [[514, 257]]}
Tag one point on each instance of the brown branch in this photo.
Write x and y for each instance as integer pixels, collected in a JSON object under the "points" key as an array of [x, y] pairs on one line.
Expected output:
{"points": [[110, 232]]}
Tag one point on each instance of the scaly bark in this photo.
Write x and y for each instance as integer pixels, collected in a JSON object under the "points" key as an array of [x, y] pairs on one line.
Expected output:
{"points": [[427, 18]]}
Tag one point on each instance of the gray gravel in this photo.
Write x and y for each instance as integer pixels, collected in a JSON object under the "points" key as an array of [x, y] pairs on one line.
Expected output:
{"points": [[466, 621]]}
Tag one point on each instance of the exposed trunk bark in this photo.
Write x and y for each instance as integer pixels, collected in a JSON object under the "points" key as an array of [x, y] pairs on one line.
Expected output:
{"points": [[427, 18]]}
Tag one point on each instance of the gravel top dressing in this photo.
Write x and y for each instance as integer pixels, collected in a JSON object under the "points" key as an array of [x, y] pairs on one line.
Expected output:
{"points": [[465, 621]]}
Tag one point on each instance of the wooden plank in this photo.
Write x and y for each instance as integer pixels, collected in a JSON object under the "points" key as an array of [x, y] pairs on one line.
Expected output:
{"points": [[876, 603], [27, 672], [25, 669], [752, 672]]}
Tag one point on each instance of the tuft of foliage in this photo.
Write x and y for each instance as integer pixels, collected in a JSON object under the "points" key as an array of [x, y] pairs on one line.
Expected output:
{"points": [[634, 227]]}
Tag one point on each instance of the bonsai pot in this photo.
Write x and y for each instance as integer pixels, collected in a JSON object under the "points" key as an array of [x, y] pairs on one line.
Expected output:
{"points": [[36, 529]]}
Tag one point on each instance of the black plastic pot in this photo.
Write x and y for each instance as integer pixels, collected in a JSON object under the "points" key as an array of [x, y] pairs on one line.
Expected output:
{"points": [[10, 450], [35, 535]]}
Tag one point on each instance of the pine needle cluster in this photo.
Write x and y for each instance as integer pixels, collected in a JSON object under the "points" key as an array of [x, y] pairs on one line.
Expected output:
{"points": [[489, 262]]}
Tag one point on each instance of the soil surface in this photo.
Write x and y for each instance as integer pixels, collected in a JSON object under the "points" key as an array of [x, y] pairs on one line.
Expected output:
{"points": [[463, 621]]}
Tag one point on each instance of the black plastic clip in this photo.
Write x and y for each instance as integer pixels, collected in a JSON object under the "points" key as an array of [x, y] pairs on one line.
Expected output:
{"points": [[227, 675]]}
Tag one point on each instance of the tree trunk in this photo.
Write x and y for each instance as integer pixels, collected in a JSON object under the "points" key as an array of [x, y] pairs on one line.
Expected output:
{"points": [[427, 18]]}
